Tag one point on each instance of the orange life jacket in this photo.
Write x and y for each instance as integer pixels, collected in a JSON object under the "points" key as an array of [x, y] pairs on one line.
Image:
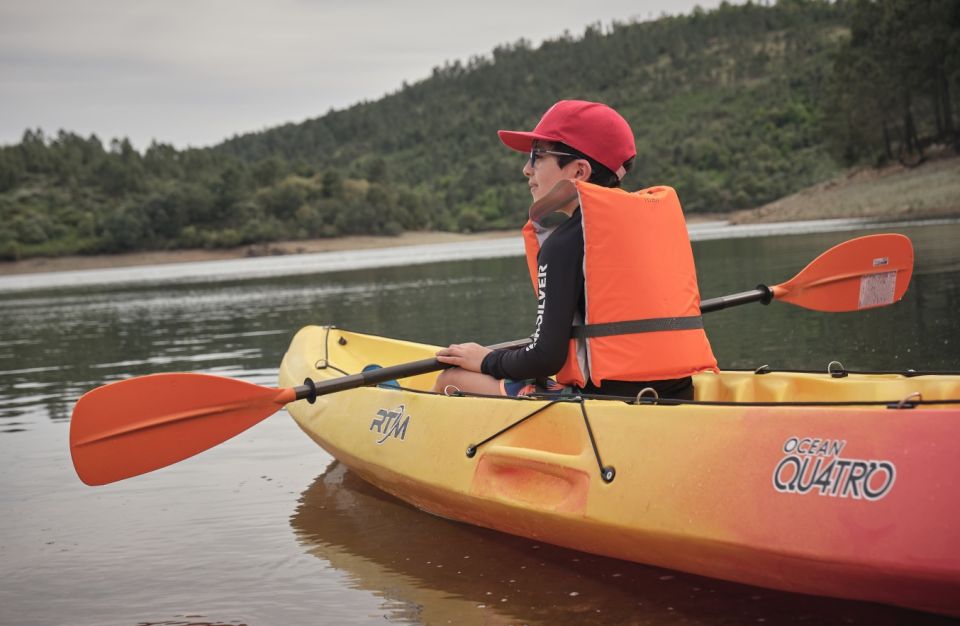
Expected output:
{"points": [[642, 302]]}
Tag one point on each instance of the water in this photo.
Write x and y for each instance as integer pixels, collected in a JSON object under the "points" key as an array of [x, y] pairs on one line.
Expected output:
{"points": [[267, 529]]}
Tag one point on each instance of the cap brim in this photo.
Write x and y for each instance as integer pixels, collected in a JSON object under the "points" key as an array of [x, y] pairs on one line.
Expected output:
{"points": [[521, 141]]}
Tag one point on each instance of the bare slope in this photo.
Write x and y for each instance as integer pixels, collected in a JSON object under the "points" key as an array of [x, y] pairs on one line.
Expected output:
{"points": [[931, 189]]}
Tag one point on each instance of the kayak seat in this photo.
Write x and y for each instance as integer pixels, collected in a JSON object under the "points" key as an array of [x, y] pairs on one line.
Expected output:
{"points": [[388, 384]]}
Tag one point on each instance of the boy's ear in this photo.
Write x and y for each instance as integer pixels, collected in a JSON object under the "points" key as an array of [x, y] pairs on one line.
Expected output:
{"points": [[583, 169]]}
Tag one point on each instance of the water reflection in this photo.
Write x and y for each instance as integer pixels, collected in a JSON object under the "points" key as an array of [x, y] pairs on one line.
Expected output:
{"points": [[435, 571]]}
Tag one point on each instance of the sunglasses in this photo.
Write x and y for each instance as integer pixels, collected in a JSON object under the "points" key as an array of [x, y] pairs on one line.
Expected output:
{"points": [[536, 153]]}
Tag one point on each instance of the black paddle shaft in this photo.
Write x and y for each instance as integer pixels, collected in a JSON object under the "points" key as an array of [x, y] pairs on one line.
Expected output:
{"points": [[762, 294], [310, 389]]}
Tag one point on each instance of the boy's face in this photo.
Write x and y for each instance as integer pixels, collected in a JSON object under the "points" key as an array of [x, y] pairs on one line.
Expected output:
{"points": [[546, 172]]}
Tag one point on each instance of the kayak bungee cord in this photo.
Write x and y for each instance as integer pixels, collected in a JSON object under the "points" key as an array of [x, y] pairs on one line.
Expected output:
{"points": [[904, 403], [840, 373], [473, 447], [324, 363], [607, 473]]}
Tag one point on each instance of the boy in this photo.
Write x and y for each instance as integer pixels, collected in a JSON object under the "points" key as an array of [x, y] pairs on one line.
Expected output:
{"points": [[580, 152]]}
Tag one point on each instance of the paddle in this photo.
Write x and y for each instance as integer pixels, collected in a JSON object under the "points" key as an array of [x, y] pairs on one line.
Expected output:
{"points": [[137, 425], [857, 274]]}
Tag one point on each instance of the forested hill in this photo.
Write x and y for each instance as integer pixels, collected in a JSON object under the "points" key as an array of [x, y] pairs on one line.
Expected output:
{"points": [[735, 107], [724, 106]]}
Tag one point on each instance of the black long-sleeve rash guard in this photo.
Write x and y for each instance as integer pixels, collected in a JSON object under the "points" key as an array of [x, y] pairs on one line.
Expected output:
{"points": [[560, 273]]}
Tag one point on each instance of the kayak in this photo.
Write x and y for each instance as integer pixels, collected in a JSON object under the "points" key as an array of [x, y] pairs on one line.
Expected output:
{"points": [[830, 483]]}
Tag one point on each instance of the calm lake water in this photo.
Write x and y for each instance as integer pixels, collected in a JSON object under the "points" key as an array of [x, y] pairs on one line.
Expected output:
{"points": [[267, 529]]}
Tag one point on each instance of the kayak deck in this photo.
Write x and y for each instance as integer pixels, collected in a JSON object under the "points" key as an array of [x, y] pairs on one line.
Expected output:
{"points": [[846, 500], [833, 385]]}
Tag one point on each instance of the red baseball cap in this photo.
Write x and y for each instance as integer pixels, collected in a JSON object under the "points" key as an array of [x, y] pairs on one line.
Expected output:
{"points": [[594, 129]]}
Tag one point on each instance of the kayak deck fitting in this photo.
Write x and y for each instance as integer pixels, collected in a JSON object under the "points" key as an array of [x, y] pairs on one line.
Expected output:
{"points": [[833, 483]]}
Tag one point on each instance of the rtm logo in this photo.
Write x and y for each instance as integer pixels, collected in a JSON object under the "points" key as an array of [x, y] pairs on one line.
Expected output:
{"points": [[388, 423]]}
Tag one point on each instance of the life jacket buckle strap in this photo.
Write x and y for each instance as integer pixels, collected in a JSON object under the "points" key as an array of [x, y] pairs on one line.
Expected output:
{"points": [[658, 324]]}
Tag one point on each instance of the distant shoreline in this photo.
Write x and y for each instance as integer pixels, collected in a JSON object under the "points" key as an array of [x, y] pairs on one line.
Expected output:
{"points": [[281, 248], [893, 193], [379, 254]]}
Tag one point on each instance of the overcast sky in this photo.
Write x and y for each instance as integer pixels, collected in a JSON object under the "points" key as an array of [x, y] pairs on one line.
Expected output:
{"points": [[196, 72]]}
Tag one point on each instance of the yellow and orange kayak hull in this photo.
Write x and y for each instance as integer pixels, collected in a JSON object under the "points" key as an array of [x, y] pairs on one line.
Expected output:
{"points": [[847, 500]]}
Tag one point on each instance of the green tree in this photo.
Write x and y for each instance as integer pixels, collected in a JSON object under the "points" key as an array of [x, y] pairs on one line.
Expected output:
{"points": [[891, 89], [268, 171]]}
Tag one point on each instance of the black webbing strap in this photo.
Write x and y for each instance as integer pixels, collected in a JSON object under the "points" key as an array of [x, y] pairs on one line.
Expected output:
{"points": [[585, 331]]}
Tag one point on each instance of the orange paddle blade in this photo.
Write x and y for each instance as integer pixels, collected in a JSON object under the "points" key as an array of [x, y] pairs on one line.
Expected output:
{"points": [[141, 424], [861, 273]]}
